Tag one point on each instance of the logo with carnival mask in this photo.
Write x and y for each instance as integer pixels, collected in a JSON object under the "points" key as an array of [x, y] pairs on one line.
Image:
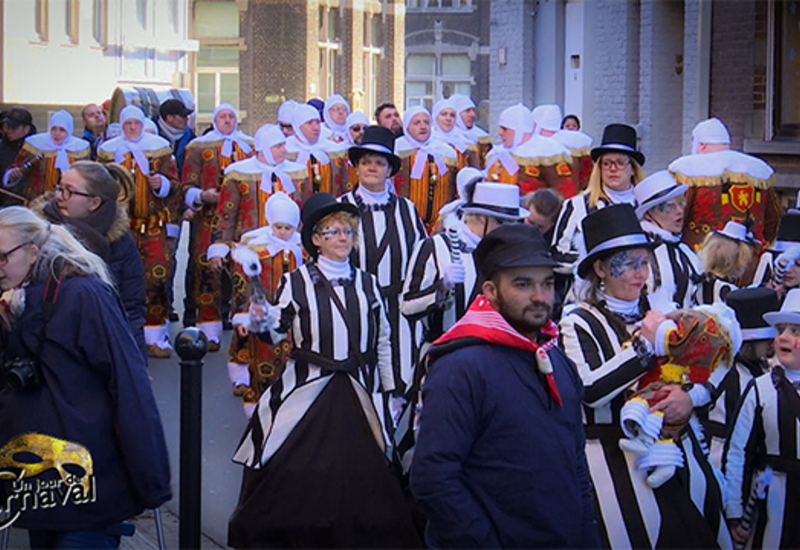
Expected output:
{"points": [[24, 458]]}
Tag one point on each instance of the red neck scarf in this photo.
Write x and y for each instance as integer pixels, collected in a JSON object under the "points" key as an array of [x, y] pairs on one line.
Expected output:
{"points": [[483, 321]]}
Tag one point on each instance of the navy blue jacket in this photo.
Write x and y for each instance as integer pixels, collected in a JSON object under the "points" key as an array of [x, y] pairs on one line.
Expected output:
{"points": [[95, 393], [497, 462], [126, 268]]}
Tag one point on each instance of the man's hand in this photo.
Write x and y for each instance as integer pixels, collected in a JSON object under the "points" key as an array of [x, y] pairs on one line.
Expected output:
{"points": [[155, 182], [650, 324], [210, 196], [217, 263], [188, 214], [242, 331], [677, 406]]}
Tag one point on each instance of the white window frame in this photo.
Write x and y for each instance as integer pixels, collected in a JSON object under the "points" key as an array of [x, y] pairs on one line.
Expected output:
{"points": [[437, 79]]}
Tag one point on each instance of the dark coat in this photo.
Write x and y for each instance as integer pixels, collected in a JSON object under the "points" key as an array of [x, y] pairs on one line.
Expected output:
{"points": [[96, 394], [110, 239], [497, 462]]}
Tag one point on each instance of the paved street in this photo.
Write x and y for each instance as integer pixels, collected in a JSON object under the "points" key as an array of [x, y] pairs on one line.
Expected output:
{"points": [[223, 425]]}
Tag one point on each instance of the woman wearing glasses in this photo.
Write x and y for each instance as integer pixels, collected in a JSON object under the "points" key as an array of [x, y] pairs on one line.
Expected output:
{"points": [[316, 472], [676, 272], [78, 398], [86, 202], [617, 169]]}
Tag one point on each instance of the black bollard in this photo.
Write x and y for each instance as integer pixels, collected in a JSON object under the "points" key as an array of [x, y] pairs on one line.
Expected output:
{"points": [[191, 345]]}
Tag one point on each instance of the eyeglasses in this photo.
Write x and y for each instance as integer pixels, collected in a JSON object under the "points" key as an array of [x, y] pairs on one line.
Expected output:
{"points": [[358, 127], [671, 206], [4, 255], [332, 233], [621, 164], [69, 192]]}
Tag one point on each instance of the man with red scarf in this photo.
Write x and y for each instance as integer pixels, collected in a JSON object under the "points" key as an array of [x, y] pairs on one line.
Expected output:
{"points": [[499, 460]]}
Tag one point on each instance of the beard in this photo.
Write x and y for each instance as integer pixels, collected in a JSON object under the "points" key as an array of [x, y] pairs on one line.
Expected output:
{"points": [[529, 320]]}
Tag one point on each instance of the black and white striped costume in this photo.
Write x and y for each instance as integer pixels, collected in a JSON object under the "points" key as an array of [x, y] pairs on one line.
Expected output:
{"points": [[714, 289], [677, 268], [424, 294], [765, 267], [727, 396], [321, 348], [766, 432], [568, 244], [628, 511], [386, 238]]}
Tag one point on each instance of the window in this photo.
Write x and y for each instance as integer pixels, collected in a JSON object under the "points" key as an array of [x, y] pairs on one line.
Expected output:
{"points": [[372, 60], [100, 22], [141, 13], [439, 4], [420, 79], [329, 47], [72, 20], [216, 26], [787, 69], [217, 77], [429, 77], [42, 19]]}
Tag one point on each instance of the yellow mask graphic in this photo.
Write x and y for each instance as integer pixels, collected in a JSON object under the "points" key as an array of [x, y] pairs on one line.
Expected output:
{"points": [[53, 452]]}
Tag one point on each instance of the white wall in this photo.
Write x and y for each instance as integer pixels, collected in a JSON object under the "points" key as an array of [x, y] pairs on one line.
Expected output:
{"points": [[57, 72]]}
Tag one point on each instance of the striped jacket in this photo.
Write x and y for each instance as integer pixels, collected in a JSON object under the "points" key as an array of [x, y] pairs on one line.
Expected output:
{"points": [[765, 432], [386, 238], [321, 347], [684, 512]]}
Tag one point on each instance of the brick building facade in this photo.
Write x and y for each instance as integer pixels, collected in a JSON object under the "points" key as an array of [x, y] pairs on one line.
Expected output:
{"points": [[447, 51], [664, 65], [301, 49]]}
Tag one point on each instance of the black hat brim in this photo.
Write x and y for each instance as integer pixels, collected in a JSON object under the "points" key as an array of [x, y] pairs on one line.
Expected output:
{"points": [[597, 152], [355, 153], [311, 223], [586, 264]]}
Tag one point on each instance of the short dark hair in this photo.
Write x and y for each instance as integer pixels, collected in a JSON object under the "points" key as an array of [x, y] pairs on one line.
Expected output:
{"points": [[573, 117], [546, 202], [382, 107]]}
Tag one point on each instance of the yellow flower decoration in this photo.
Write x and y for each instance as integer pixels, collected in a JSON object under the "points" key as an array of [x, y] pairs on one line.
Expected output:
{"points": [[533, 171]]}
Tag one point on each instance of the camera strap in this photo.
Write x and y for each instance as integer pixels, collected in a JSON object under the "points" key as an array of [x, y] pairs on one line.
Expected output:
{"points": [[51, 287]]}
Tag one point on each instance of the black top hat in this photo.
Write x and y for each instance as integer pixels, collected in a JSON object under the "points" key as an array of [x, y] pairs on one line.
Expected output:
{"points": [[316, 207], [174, 107], [17, 116], [750, 305], [619, 138], [508, 246], [377, 139], [609, 230], [788, 231]]}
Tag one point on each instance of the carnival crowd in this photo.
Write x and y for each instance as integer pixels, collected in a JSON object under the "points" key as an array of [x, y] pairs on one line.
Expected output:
{"points": [[438, 341]]}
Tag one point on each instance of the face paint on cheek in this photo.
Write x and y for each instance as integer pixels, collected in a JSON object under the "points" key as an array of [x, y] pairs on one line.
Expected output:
{"points": [[623, 261], [618, 264]]}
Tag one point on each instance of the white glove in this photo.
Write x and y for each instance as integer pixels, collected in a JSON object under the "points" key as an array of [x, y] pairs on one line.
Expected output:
{"points": [[791, 254], [263, 317], [454, 274], [783, 262], [396, 406]]}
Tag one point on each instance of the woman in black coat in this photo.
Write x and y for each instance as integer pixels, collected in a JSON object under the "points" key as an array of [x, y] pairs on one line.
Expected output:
{"points": [[86, 201], [82, 448]]}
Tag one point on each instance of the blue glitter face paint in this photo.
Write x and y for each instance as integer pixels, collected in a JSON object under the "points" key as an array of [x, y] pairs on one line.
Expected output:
{"points": [[625, 260]]}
